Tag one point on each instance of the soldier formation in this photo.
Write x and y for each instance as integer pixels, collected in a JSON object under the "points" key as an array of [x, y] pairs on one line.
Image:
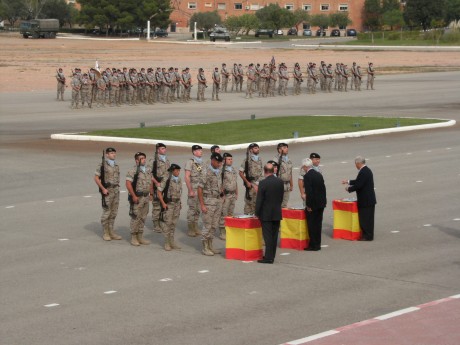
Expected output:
{"points": [[212, 191], [115, 87]]}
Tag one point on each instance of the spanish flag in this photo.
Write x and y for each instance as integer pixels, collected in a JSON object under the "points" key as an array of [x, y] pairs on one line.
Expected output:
{"points": [[244, 239], [346, 220], [294, 230]]}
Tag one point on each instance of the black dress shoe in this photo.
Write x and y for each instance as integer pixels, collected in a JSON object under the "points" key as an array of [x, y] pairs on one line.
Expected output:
{"points": [[310, 249], [364, 239], [265, 261]]}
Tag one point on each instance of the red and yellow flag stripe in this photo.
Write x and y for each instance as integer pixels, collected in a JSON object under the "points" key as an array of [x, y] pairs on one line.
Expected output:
{"points": [[243, 239], [346, 220], [294, 230]]}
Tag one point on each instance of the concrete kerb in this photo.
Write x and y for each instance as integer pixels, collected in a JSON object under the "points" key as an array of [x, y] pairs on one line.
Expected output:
{"points": [[393, 48], [82, 137]]}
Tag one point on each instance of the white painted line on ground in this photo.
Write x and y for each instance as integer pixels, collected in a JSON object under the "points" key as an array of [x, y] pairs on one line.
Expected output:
{"points": [[247, 262], [165, 280], [285, 254], [428, 151], [455, 296], [427, 225], [11, 206], [387, 156], [63, 239], [448, 148], [311, 338], [80, 268], [408, 153], [123, 191], [203, 271], [396, 313], [110, 292], [395, 231], [87, 196], [324, 245], [51, 305], [344, 162], [419, 181], [49, 201], [253, 292], [456, 219]]}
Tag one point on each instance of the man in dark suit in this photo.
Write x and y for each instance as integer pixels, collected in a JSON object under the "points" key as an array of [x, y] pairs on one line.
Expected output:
{"points": [[268, 210], [364, 188], [315, 201]]}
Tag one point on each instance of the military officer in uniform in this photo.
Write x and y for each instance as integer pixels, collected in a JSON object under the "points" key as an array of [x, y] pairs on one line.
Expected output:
{"points": [[110, 191], [251, 172], [169, 194], [251, 74], [316, 160], [139, 184], [209, 195], [60, 77], [193, 170], [215, 84], [76, 85], [370, 76], [230, 190], [284, 171], [159, 166], [201, 85], [85, 91]]}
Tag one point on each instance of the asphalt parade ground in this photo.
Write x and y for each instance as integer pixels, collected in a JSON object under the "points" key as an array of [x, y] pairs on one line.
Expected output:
{"points": [[62, 284]]}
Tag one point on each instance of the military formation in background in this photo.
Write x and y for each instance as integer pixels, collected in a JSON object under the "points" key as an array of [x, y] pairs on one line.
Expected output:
{"points": [[114, 87], [211, 187]]}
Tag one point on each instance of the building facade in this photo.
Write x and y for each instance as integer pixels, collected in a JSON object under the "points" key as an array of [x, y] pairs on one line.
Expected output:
{"points": [[184, 9]]}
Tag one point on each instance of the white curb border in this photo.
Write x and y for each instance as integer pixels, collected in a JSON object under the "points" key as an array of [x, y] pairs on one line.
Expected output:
{"points": [[82, 137]]}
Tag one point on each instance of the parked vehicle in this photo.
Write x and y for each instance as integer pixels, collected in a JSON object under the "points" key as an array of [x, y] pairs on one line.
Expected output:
{"points": [[264, 32], [351, 32], [279, 32], [220, 33], [39, 28], [320, 32], [161, 33], [292, 32], [307, 32], [335, 33]]}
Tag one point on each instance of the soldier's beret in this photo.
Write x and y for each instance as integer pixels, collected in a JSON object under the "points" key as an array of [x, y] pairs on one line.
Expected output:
{"points": [[282, 145], [272, 162], [314, 155], [158, 145], [214, 147], [173, 167], [196, 147], [226, 154], [110, 149], [217, 156], [138, 154], [251, 146]]}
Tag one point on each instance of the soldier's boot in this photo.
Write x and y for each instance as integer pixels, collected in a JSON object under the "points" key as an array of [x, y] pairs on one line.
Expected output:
{"points": [[212, 98], [222, 234], [217, 98], [191, 230], [156, 226], [211, 248], [106, 235], [206, 251], [196, 229], [141, 239], [134, 240], [57, 99], [113, 235], [167, 245], [172, 243]]}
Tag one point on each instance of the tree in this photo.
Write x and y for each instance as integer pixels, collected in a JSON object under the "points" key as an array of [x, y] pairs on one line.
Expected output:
{"points": [[205, 20], [372, 14], [233, 24], [13, 10], [423, 12], [340, 19], [34, 7], [300, 16], [452, 11], [321, 20], [389, 5], [393, 18], [57, 9], [249, 22], [274, 17]]}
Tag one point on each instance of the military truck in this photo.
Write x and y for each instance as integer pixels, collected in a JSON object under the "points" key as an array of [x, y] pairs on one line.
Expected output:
{"points": [[39, 28]]}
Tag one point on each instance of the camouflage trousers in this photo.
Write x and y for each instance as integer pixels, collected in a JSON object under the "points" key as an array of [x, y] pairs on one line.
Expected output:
{"points": [[297, 85], [60, 90], [228, 208], [75, 98], [215, 91], [140, 212], [193, 212], [249, 88], [200, 92], [156, 210], [211, 218], [85, 95], [224, 84], [109, 213], [170, 218], [250, 205], [114, 96]]}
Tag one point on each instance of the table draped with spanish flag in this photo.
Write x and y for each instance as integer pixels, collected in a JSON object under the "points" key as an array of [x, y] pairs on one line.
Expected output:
{"points": [[346, 220], [294, 229], [243, 239]]}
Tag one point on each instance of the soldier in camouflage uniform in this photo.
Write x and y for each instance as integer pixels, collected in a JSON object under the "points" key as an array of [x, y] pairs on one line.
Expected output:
{"points": [[251, 74], [114, 93], [234, 77], [370, 76], [101, 86], [209, 195], [251, 175], [284, 171], [193, 170], [132, 87], [169, 194], [140, 195], [110, 191], [225, 75], [201, 85], [215, 84], [85, 91], [230, 189], [240, 77], [297, 79], [76, 85], [60, 77], [159, 166]]}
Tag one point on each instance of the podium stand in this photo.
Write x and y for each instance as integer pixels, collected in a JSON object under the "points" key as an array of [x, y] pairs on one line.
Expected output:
{"points": [[243, 239], [294, 230], [346, 220]]}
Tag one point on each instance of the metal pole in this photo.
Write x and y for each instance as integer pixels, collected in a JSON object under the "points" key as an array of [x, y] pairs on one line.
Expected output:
{"points": [[148, 30], [195, 33]]}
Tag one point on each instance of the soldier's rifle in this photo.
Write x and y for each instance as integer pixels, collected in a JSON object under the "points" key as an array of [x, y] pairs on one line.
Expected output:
{"points": [[164, 195], [248, 176], [134, 186], [155, 173], [102, 178]]}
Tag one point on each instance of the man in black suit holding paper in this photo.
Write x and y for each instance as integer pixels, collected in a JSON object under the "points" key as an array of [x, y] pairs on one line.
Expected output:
{"points": [[315, 201], [268, 210], [364, 188]]}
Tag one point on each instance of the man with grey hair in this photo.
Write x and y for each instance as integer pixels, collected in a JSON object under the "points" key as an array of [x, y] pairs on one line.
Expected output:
{"points": [[315, 203], [363, 185]]}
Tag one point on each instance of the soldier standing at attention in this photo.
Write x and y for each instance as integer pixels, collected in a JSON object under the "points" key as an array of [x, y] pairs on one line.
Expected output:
{"points": [[235, 77], [262, 81], [107, 177], [215, 84], [284, 171], [345, 76], [140, 188], [256, 84], [159, 166], [85, 90], [101, 86], [150, 81], [272, 81], [176, 93], [225, 75], [167, 83], [329, 77], [353, 75], [337, 76], [251, 74], [76, 85], [60, 77], [193, 170], [114, 93], [359, 77], [370, 76], [159, 83], [240, 77], [230, 189], [132, 87], [169, 194], [297, 79], [201, 85], [209, 194], [251, 172]]}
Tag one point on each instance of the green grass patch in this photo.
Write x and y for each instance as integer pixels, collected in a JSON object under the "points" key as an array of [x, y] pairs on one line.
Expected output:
{"points": [[243, 131]]}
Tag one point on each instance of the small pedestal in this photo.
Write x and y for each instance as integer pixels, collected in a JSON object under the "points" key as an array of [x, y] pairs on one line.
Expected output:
{"points": [[243, 239]]}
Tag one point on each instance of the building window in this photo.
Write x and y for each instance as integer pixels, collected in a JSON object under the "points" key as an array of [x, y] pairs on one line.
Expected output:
{"points": [[342, 27], [306, 26], [255, 7], [306, 7], [208, 4], [221, 6], [192, 5], [343, 7], [238, 6], [324, 7], [289, 7]]}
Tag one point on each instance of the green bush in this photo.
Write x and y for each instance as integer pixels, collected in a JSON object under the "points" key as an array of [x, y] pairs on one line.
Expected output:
{"points": [[394, 36], [451, 37]]}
